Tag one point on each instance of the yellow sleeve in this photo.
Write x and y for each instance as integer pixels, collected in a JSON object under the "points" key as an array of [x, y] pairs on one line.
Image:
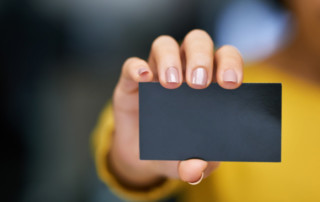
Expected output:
{"points": [[101, 139]]}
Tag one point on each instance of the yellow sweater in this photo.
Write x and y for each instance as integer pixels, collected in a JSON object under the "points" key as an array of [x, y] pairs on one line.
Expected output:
{"points": [[296, 178]]}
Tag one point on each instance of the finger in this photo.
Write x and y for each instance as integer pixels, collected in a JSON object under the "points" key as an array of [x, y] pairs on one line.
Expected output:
{"points": [[197, 49], [166, 168], [229, 67], [165, 58], [134, 70], [192, 170]]}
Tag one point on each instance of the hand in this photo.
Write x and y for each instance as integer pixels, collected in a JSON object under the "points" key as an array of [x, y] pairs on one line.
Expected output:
{"points": [[195, 63]]}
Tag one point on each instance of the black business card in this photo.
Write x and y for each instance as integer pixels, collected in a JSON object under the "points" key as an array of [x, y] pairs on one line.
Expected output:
{"points": [[213, 124]]}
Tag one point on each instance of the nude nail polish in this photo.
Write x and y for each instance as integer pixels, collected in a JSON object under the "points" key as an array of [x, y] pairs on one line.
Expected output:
{"points": [[230, 76], [199, 76], [172, 75], [142, 71]]}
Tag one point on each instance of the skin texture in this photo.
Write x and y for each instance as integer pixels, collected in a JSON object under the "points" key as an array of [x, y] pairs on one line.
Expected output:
{"points": [[195, 63]]}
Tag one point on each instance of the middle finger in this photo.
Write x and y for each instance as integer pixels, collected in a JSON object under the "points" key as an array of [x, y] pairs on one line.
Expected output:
{"points": [[197, 48]]}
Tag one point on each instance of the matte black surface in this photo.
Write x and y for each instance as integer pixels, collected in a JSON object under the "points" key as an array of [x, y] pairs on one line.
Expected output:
{"points": [[213, 124]]}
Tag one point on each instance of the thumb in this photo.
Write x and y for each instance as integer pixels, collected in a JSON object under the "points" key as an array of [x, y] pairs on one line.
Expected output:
{"points": [[192, 170]]}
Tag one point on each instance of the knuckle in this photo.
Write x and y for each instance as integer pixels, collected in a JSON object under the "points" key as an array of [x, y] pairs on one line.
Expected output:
{"points": [[230, 50], [233, 62], [163, 39], [196, 33], [229, 58]]}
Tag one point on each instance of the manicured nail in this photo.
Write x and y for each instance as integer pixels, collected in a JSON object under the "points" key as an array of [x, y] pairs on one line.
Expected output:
{"points": [[230, 76], [172, 75], [142, 71], [197, 182], [199, 76]]}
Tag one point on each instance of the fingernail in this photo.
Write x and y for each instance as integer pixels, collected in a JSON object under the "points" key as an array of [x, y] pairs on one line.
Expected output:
{"points": [[230, 76], [197, 182], [199, 76], [142, 71], [172, 75]]}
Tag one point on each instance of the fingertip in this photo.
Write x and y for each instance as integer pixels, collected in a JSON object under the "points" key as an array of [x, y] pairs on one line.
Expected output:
{"points": [[170, 85], [196, 86], [229, 85], [230, 79], [191, 170], [198, 78], [229, 67], [171, 78], [144, 74], [198, 181], [143, 71]]}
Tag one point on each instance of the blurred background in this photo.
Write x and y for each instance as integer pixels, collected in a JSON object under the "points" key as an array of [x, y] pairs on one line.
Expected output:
{"points": [[60, 60]]}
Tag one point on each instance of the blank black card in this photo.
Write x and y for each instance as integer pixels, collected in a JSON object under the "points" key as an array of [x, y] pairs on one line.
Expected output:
{"points": [[213, 124]]}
